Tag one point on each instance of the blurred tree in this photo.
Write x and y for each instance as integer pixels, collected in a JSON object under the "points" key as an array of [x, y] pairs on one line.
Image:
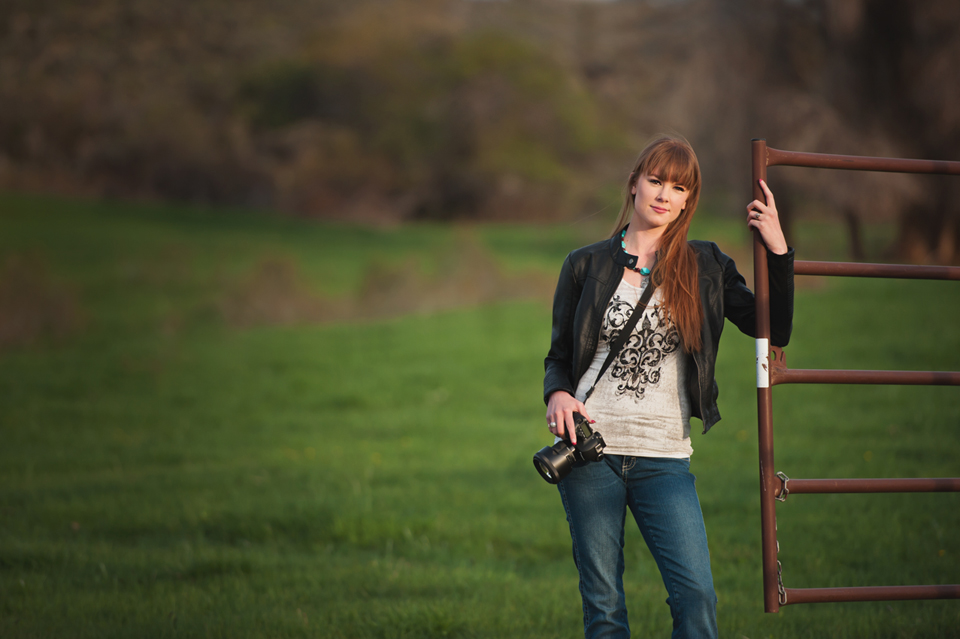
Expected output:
{"points": [[443, 124]]}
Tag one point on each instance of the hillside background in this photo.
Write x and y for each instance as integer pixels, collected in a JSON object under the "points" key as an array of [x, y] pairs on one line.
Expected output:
{"points": [[385, 111]]}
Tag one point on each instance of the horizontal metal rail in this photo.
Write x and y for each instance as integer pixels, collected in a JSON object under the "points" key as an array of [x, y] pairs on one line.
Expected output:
{"points": [[870, 593], [903, 485], [860, 163], [856, 269], [780, 375]]}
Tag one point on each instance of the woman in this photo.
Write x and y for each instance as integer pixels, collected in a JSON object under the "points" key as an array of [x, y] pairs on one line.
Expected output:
{"points": [[663, 376]]}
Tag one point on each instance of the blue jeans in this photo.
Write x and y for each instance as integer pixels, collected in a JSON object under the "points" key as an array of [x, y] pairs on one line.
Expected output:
{"points": [[663, 499]]}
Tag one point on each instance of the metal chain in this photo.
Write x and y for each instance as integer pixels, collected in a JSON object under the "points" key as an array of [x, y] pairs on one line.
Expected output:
{"points": [[782, 592], [784, 491]]}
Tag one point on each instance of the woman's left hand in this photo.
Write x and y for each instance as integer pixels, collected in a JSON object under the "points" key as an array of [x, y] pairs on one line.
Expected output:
{"points": [[763, 217]]}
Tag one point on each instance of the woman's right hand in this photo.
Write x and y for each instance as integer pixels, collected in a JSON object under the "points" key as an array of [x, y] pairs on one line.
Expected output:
{"points": [[560, 409]]}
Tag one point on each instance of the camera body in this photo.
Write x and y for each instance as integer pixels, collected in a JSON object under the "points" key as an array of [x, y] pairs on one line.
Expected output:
{"points": [[555, 462]]}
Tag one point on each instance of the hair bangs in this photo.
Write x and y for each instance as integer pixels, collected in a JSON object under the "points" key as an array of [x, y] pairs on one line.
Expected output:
{"points": [[673, 163]]}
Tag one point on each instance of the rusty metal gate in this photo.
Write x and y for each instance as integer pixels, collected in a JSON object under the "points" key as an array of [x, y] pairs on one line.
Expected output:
{"points": [[772, 370]]}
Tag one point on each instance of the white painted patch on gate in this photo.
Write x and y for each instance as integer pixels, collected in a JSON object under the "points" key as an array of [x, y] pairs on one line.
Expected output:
{"points": [[763, 364]]}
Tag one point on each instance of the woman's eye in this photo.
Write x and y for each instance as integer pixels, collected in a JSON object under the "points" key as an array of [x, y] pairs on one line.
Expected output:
{"points": [[680, 189]]}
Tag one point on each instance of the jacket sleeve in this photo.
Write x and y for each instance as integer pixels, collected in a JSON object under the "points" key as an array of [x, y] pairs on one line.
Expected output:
{"points": [[558, 365], [738, 300]]}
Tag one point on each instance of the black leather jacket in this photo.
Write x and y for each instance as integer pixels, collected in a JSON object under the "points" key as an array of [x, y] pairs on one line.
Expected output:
{"points": [[590, 276]]}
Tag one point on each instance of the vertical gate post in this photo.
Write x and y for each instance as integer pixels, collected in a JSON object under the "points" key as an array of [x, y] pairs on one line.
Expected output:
{"points": [[768, 478]]}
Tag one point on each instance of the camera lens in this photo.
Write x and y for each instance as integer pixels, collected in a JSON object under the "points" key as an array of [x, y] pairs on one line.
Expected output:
{"points": [[554, 462], [545, 471]]}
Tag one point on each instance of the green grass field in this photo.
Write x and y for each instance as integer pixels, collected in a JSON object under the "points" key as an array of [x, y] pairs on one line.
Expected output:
{"points": [[228, 425]]}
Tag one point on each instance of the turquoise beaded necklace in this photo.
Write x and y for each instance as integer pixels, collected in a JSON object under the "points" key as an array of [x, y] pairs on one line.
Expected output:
{"points": [[623, 245]]}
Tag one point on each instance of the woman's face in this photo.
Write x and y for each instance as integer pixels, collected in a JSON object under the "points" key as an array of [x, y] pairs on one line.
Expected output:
{"points": [[656, 202]]}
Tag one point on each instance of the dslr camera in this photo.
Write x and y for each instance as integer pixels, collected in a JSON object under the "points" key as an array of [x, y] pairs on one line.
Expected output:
{"points": [[555, 462]]}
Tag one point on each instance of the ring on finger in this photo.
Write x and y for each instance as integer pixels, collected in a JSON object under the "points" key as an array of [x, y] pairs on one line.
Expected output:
{"points": [[756, 216], [552, 424]]}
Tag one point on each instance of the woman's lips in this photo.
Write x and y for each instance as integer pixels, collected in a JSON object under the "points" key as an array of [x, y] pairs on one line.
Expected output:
{"points": [[658, 209]]}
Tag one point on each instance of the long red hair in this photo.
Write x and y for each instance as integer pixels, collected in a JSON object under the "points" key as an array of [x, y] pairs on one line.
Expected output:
{"points": [[671, 158]]}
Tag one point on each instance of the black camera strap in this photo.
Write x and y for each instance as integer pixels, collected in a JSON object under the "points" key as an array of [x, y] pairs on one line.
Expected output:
{"points": [[625, 333]]}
